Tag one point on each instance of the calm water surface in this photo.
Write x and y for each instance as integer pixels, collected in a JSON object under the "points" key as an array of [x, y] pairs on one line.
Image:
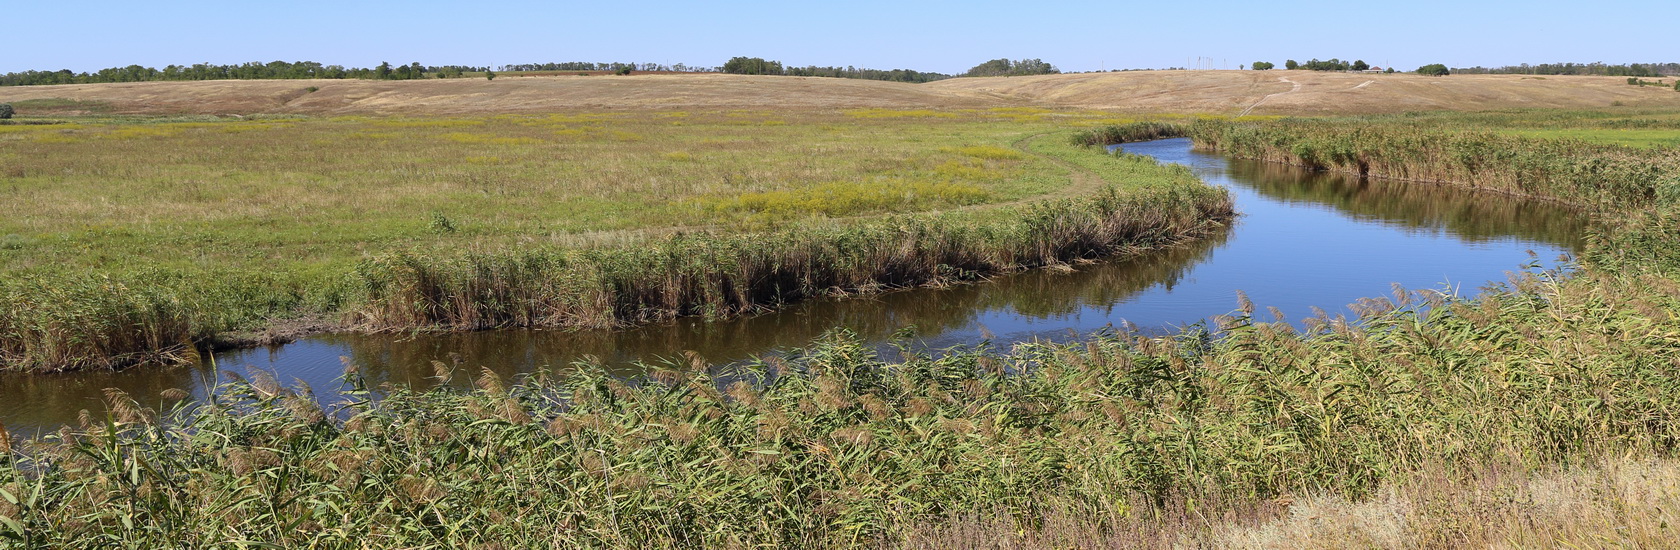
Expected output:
{"points": [[1303, 240]]}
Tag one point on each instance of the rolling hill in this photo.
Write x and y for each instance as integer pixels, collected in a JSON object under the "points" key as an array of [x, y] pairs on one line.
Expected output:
{"points": [[1213, 92]]}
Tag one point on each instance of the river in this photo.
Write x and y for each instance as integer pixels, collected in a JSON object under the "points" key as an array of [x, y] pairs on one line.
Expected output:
{"points": [[1302, 240]]}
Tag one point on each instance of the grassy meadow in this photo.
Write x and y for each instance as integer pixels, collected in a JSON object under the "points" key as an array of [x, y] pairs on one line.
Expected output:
{"points": [[133, 239]]}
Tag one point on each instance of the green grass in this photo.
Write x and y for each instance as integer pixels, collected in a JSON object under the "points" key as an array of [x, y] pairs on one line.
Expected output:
{"points": [[61, 104], [243, 193], [1631, 127], [1632, 137], [229, 225]]}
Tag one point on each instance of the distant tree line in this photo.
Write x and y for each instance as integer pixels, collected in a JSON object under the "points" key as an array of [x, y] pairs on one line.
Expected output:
{"points": [[1332, 65], [1585, 69], [894, 75], [277, 70], [1005, 67], [612, 67], [274, 70], [757, 65]]}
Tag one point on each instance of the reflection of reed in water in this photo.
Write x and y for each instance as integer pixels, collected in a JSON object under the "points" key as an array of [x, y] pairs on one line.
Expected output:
{"points": [[406, 360], [31, 401], [1466, 214]]}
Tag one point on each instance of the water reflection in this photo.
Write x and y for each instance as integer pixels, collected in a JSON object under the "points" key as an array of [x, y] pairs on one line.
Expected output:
{"points": [[1469, 215], [406, 359], [1304, 240]]}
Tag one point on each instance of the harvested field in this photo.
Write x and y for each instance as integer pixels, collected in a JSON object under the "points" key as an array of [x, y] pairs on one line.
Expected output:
{"points": [[1215, 92]]}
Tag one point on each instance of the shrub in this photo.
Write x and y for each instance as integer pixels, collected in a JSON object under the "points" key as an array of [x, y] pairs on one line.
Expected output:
{"points": [[1434, 69], [488, 75], [6, 110], [1263, 66]]}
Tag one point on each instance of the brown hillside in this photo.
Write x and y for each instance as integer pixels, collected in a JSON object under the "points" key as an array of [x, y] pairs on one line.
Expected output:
{"points": [[463, 96], [1221, 92], [1232, 92]]}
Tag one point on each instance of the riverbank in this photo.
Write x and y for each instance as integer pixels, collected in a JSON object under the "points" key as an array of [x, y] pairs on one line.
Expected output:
{"points": [[1636, 189], [840, 447], [933, 204]]}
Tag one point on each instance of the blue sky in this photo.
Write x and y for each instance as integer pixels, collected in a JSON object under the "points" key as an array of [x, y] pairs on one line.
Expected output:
{"points": [[943, 36]]}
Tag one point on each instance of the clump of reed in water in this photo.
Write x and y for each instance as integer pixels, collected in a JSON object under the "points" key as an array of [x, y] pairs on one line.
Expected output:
{"points": [[1604, 177], [721, 275], [1127, 133]]}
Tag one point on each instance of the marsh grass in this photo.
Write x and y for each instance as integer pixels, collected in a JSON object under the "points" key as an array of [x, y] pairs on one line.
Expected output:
{"points": [[1603, 177], [1112, 438], [1127, 133], [722, 275]]}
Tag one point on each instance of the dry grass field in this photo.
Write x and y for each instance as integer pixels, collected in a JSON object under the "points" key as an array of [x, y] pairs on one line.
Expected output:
{"points": [[1320, 93], [477, 96], [1212, 92]]}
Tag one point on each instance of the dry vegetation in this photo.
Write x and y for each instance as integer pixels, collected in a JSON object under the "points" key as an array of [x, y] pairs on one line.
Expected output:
{"points": [[479, 96], [1608, 503], [1321, 93], [1216, 92]]}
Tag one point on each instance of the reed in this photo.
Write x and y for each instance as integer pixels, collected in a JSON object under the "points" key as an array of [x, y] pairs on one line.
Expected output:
{"points": [[1603, 177], [723, 275], [90, 322], [837, 446], [1127, 133]]}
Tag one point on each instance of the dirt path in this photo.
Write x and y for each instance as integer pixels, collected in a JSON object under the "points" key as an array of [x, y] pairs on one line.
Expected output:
{"points": [[1292, 89], [1082, 180]]}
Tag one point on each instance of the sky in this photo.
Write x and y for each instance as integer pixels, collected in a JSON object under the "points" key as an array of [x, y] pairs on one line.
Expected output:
{"points": [[940, 35]]}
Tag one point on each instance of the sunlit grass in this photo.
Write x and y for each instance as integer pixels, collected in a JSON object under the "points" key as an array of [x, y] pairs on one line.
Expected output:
{"points": [[229, 224], [1621, 136]]}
